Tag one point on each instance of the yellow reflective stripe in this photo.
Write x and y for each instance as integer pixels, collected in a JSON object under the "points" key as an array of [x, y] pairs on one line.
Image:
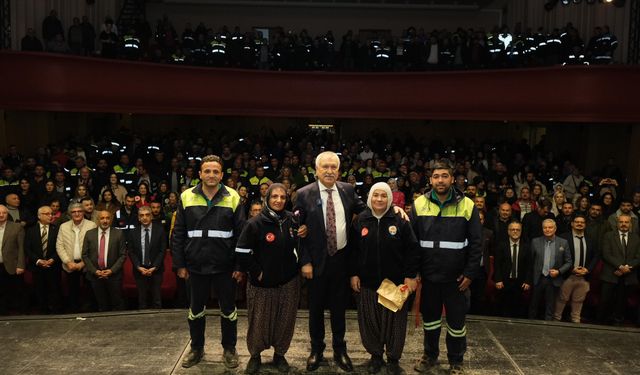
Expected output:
{"points": [[430, 326], [424, 207], [190, 199], [191, 316], [232, 317], [457, 332]]}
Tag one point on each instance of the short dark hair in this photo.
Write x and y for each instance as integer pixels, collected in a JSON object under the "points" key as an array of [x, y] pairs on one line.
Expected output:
{"points": [[545, 203], [575, 216], [210, 159], [443, 164]]}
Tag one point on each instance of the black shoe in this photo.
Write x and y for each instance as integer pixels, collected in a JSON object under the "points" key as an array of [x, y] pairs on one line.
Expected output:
{"points": [[280, 362], [375, 364], [193, 358], [313, 362], [343, 361], [253, 366], [230, 358], [393, 367]]}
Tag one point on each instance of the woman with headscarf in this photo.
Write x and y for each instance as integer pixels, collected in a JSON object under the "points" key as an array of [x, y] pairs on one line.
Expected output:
{"points": [[386, 248], [266, 249]]}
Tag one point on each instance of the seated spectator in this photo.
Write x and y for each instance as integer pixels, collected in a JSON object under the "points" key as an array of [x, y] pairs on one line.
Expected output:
{"points": [[30, 42], [108, 202], [58, 45]]}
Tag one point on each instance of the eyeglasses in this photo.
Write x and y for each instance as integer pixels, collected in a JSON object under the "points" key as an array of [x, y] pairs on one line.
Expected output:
{"points": [[77, 212], [515, 229]]}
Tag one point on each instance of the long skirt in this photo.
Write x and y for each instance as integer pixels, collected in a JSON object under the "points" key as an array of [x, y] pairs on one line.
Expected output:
{"points": [[272, 316]]}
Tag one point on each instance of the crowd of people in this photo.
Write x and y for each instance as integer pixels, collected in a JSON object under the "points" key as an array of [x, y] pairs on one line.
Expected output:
{"points": [[518, 231], [415, 49]]}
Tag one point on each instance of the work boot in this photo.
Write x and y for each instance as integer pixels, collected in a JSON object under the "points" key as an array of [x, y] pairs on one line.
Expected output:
{"points": [[193, 358], [427, 365], [456, 370], [230, 358], [393, 367]]}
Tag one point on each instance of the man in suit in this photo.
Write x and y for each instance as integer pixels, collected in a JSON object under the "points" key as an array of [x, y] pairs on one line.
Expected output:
{"points": [[44, 263], [69, 248], [584, 253], [621, 255], [103, 253], [147, 246], [327, 208], [11, 259], [551, 258], [512, 267]]}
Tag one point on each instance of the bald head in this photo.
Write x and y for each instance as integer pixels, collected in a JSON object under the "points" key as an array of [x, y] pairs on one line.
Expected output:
{"points": [[12, 200]]}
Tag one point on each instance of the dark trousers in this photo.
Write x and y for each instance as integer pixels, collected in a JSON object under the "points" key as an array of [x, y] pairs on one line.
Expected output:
{"points": [[75, 281], [149, 287], [329, 290], [108, 292], [510, 300], [543, 289], [11, 292], [434, 296], [478, 303], [613, 301], [47, 287], [200, 290]]}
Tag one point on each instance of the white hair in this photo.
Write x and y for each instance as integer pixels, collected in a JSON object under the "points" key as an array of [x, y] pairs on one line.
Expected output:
{"points": [[325, 155]]}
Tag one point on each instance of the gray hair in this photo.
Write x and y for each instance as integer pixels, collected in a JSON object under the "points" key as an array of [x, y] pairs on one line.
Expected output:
{"points": [[326, 155], [144, 209], [73, 206]]}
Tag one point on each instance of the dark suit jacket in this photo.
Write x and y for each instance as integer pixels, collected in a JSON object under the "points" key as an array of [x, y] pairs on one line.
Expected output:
{"points": [[592, 254], [502, 262], [309, 208], [115, 256], [613, 257], [33, 245], [562, 261], [487, 249], [13, 247], [158, 242]]}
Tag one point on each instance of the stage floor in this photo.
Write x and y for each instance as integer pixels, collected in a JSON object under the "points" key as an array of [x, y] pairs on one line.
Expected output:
{"points": [[153, 342]]}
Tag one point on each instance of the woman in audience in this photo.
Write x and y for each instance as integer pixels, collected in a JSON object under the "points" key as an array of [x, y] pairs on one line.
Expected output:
{"points": [[118, 190]]}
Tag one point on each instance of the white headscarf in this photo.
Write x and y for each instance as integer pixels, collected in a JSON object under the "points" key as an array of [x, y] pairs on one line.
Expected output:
{"points": [[384, 187]]}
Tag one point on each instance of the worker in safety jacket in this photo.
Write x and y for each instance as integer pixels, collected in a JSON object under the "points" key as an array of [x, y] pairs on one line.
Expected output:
{"points": [[448, 228], [208, 222]]}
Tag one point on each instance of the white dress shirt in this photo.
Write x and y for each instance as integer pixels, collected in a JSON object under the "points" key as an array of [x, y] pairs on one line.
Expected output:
{"points": [[341, 223], [2, 239]]}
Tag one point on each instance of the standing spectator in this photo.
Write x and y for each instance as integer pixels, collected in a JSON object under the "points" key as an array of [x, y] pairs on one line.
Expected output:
{"points": [[75, 37], [44, 262], [51, 26], [585, 255], [88, 37], [512, 266], [551, 258], [30, 42], [386, 248], [109, 41], [147, 247], [448, 227], [267, 250], [621, 256], [103, 253], [69, 247], [208, 216], [12, 261]]}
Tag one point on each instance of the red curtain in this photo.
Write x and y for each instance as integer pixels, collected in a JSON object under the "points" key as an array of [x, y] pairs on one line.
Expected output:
{"points": [[49, 82]]}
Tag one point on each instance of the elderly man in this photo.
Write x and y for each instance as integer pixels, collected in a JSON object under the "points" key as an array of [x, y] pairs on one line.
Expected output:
{"points": [[551, 258], [44, 263], [12, 261], [69, 248], [103, 253]]}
